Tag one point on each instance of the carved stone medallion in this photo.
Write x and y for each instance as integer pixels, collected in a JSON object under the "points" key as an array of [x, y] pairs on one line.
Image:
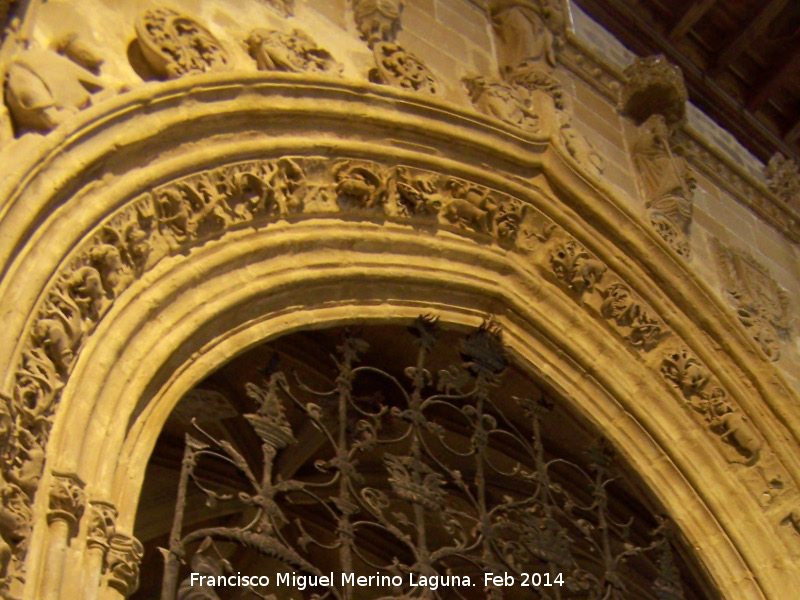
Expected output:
{"points": [[395, 66], [175, 45], [294, 52]]}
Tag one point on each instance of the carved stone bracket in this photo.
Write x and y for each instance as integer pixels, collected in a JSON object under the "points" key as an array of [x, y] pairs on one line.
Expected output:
{"points": [[175, 45], [122, 563], [67, 501], [761, 304]]}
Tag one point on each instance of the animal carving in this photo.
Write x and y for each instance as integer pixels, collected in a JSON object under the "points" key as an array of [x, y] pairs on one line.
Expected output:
{"points": [[737, 431]]}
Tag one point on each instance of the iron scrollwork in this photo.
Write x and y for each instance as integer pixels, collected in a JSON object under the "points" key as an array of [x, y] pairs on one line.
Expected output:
{"points": [[438, 470]]}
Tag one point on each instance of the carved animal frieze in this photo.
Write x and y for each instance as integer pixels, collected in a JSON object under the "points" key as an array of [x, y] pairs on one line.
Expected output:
{"points": [[122, 563], [175, 45], [761, 304], [654, 86], [686, 372], [378, 20], [361, 185], [44, 87], [510, 103], [397, 67], [294, 52], [575, 267]]}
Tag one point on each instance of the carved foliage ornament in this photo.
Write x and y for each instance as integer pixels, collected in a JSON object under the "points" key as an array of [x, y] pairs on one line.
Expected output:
{"points": [[398, 67], [761, 304], [711, 403], [783, 178], [294, 52], [122, 563], [67, 501], [175, 45]]}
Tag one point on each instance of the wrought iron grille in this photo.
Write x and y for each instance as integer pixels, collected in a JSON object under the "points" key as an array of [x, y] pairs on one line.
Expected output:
{"points": [[427, 490]]}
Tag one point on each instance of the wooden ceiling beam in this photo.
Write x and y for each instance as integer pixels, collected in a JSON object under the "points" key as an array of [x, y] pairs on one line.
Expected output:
{"points": [[741, 42], [690, 16], [772, 82]]}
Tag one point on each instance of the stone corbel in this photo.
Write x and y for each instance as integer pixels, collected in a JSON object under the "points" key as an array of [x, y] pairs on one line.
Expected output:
{"points": [[378, 20]]}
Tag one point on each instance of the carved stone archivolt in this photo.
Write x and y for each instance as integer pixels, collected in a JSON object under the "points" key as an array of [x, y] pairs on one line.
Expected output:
{"points": [[761, 304], [175, 45], [294, 52]]}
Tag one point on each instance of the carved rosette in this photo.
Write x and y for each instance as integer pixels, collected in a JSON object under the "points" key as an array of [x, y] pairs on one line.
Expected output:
{"points": [[102, 518], [654, 86], [761, 304], [67, 501], [397, 67], [294, 52], [378, 20], [122, 563], [175, 45]]}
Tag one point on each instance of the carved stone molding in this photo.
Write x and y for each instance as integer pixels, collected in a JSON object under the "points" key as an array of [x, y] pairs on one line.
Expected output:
{"points": [[378, 20], [294, 52], [761, 304], [396, 66], [654, 86], [175, 45], [122, 563], [102, 518], [67, 500]]}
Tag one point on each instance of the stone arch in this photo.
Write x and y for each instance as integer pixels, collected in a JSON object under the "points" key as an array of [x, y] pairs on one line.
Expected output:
{"points": [[677, 344]]}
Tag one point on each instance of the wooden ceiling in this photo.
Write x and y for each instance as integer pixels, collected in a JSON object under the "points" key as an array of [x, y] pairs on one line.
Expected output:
{"points": [[740, 58]]}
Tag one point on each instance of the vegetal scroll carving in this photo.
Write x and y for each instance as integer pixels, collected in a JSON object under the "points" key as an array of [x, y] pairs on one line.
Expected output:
{"points": [[102, 524], [67, 500], [294, 52], [396, 66], [175, 45], [620, 304]]}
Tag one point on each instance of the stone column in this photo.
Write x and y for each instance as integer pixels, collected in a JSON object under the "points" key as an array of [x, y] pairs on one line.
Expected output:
{"points": [[102, 517], [67, 503]]}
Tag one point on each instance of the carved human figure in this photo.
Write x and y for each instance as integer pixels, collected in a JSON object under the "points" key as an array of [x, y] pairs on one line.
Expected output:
{"points": [[294, 52], [666, 179], [44, 87], [525, 33], [736, 430]]}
